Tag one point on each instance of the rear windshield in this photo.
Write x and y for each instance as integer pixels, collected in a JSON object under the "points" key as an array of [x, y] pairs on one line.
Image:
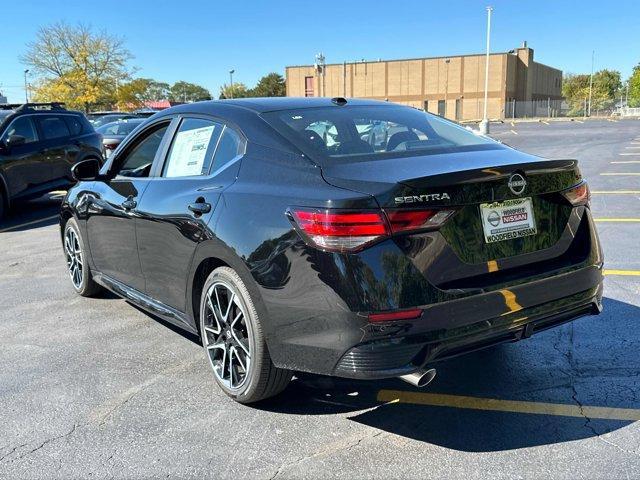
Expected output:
{"points": [[347, 134]]}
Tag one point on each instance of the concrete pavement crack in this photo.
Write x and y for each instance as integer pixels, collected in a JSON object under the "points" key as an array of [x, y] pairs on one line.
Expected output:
{"points": [[322, 452]]}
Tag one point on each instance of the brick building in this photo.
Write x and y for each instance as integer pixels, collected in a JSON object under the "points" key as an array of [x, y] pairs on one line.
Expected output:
{"points": [[450, 86]]}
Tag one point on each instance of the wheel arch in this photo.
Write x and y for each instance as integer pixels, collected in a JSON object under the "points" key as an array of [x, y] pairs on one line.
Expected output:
{"points": [[210, 255]]}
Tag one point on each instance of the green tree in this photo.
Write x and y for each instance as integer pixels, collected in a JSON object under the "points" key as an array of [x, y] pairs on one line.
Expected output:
{"points": [[188, 92], [271, 85], [607, 86], [76, 65], [237, 90], [135, 93], [634, 87]]}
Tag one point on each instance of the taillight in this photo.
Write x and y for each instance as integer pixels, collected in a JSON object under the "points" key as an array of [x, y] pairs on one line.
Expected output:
{"points": [[340, 231], [578, 195], [406, 220], [348, 231]]}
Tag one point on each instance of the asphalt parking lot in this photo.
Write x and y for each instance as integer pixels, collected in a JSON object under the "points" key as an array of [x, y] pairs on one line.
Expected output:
{"points": [[96, 387]]}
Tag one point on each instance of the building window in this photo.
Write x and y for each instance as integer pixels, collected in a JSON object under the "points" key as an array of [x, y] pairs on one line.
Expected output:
{"points": [[442, 108], [458, 109], [308, 86], [426, 105]]}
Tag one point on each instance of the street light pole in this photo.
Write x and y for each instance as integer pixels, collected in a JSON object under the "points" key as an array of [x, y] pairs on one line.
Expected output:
{"points": [[26, 87], [446, 87], [484, 124], [593, 54], [231, 72]]}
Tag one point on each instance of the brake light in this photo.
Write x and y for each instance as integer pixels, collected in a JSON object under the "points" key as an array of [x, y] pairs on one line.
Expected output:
{"points": [[348, 231], [406, 220], [578, 195], [340, 231], [395, 316]]}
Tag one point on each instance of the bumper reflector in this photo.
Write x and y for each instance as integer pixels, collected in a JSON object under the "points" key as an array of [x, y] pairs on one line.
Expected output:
{"points": [[395, 316]]}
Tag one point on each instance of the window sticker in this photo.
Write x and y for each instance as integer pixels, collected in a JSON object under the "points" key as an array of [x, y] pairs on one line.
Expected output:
{"points": [[189, 151]]}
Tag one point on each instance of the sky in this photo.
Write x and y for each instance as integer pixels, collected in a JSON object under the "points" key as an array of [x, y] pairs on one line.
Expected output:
{"points": [[200, 41]]}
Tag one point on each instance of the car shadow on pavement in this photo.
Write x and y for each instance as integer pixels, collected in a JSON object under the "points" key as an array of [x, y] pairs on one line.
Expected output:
{"points": [[590, 362], [39, 212]]}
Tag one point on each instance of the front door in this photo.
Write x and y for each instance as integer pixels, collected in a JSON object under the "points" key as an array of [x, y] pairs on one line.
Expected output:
{"points": [[22, 164], [179, 203], [112, 212]]}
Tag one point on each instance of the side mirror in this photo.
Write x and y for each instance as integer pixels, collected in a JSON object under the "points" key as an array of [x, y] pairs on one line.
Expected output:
{"points": [[14, 141], [86, 170]]}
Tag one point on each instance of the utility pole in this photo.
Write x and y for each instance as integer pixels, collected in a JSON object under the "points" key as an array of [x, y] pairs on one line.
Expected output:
{"points": [[26, 87], [593, 54], [484, 124], [320, 66], [231, 72], [446, 86]]}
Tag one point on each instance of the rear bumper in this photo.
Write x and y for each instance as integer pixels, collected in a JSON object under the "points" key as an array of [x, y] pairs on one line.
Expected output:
{"points": [[394, 357]]}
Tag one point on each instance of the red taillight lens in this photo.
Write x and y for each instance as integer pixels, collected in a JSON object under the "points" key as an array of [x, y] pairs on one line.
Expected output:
{"points": [[395, 316], [340, 231], [347, 231], [405, 220], [578, 195]]}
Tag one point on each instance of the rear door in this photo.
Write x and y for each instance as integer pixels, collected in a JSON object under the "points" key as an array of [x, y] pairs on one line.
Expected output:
{"points": [[179, 203], [112, 212], [55, 137]]}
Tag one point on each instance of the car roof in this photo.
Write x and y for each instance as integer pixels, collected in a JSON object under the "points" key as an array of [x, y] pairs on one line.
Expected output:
{"points": [[270, 104]]}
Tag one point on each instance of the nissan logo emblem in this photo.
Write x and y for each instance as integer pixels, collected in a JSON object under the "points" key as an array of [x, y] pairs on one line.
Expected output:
{"points": [[517, 184]]}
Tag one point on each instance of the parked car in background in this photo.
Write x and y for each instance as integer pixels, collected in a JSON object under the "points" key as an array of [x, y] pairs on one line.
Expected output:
{"points": [[113, 133], [110, 118], [353, 238], [39, 143]]}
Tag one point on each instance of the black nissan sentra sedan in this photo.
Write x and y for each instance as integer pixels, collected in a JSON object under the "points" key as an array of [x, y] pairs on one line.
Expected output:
{"points": [[342, 237]]}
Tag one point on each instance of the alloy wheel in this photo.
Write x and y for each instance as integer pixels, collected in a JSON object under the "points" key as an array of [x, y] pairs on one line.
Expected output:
{"points": [[226, 335], [73, 252]]}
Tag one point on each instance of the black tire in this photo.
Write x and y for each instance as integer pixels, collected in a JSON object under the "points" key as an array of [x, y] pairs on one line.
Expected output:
{"points": [[262, 378], [3, 204], [86, 287]]}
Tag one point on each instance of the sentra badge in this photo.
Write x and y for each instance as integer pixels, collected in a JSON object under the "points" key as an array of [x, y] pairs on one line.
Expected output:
{"points": [[428, 197]]}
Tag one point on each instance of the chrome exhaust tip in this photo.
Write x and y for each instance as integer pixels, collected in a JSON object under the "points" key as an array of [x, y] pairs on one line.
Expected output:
{"points": [[420, 378]]}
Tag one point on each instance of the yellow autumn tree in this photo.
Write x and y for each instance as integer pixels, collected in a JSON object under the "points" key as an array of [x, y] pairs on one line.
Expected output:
{"points": [[76, 65]]}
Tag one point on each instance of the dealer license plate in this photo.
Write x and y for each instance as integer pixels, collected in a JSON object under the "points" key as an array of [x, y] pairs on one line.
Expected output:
{"points": [[507, 220]]}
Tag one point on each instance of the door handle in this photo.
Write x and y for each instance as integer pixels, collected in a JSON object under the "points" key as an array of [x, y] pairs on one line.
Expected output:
{"points": [[129, 203], [200, 207]]}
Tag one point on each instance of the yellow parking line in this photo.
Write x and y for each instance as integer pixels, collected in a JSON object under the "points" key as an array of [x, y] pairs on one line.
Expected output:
{"points": [[40, 220], [621, 174], [514, 406], [633, 273], [631, 220], [628, 154], [627, 161], [514, 132], [579, 121], [546, 123], [513, 124], [631, 148], [615, 192]]}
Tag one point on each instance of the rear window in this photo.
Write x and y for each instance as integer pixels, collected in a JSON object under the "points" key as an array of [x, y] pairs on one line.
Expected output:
{"points": [[347, 134], [53, 127]]}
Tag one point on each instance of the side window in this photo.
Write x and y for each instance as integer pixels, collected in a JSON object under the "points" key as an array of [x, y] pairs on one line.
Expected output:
{"points": [[53, 127], [192, 148], [24, 127], [137, 162], [231, 145], [74, 124]]}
